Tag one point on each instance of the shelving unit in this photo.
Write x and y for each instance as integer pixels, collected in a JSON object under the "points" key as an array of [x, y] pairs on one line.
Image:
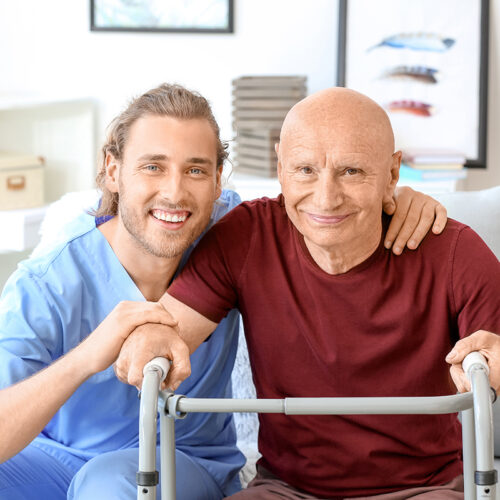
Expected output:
{"points": [[62, 129]]}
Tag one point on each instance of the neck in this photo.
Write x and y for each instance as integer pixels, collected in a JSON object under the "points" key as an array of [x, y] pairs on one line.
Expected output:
{"points": [[151, 274], [341, 258]]}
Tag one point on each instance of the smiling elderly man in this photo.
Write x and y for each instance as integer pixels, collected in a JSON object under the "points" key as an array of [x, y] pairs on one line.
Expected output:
{"points": [[328, 311]]}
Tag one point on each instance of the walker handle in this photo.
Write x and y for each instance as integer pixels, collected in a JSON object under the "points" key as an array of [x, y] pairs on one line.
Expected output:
{"points": [[160, 364], [473, 359]]}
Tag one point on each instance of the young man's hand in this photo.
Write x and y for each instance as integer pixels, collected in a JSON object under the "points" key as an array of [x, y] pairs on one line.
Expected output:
{"points": [[102, 346], [413, 214]]}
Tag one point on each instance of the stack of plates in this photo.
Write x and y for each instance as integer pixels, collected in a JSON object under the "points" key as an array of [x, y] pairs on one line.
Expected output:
{"points": [[260, 104]]}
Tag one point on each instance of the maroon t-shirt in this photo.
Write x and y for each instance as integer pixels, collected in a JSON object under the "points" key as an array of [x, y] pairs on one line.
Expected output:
{"points": [[381, 329]]}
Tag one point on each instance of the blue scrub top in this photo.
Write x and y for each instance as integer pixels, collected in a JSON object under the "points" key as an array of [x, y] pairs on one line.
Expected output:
{"points": [[53, 301]]}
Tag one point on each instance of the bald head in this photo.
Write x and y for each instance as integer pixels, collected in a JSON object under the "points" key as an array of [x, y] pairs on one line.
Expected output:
{"points": [[342, 114]]}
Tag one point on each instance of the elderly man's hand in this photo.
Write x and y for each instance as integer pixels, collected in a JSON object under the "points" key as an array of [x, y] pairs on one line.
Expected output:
{"points": [[413, 214], [150, 341], [488, 344]]}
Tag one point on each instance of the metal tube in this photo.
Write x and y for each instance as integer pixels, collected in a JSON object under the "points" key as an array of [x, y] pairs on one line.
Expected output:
{"points": [[167, 456], [221, 405], [331, 406], [148, 430], [483, 418], [469, 453]]}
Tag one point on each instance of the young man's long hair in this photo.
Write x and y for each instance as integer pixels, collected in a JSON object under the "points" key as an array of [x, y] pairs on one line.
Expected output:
{"points": [[166, 100]]}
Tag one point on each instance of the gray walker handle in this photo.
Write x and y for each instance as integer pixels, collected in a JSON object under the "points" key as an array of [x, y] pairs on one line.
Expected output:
{"points": [[480, 477], [147, 476]]}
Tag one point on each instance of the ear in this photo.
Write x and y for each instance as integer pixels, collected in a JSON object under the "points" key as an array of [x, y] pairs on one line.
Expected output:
{"points": [[218, 180], [392, 180], [112, 173]]}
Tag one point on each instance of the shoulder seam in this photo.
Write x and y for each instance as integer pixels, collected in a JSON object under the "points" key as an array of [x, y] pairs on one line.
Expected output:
{"points": [[62, 247]]}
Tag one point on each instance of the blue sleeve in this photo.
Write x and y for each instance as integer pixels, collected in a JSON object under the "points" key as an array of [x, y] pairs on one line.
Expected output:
{"points": [[226, 202], [30, 328]]}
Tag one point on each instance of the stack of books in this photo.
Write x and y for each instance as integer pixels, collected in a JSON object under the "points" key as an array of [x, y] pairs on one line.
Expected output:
{"points": [[260, 104], [432, 170]]}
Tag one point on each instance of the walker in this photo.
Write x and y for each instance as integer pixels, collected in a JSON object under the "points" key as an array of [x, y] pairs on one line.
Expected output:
{"points": [[480, 477]]}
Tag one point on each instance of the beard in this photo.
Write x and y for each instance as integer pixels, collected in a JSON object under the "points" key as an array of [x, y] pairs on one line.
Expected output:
{"points": [[160, 243]]}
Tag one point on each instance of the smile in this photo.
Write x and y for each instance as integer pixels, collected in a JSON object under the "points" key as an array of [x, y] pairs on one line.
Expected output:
{"points": [[170, 216], [327, 219]]}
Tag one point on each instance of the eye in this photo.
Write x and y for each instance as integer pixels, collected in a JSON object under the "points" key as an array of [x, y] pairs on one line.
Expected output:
{"points": [[151, 168], [351, 171], [195, 171], [306, 170]]}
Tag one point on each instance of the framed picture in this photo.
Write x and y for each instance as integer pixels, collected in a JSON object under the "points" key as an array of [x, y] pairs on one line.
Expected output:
{"points": [[177, 16], [426, 63]]}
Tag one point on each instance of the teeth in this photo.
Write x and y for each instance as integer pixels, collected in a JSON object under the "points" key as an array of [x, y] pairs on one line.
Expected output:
{"points": [[169, 217]]}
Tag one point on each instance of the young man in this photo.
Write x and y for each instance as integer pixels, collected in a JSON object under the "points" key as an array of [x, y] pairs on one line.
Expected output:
{"points": [[338, 314], [65, 314]]}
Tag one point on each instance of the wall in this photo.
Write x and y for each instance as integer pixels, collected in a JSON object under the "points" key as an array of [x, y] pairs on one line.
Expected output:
{"points": [[47, 46]]}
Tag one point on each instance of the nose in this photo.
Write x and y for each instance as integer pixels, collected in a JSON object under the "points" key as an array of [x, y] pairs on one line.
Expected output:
{"points": [[172, 186], [328, 193]]}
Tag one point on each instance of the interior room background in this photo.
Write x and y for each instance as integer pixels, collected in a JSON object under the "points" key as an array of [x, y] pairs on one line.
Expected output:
{"points": [[47, 51]]}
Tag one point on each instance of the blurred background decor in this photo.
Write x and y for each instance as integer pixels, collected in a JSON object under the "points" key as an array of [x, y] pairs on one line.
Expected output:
{"points": [[190, 16], [260, 104], [426, 63]]}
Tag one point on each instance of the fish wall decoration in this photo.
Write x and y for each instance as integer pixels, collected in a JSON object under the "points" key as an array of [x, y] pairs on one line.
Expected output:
{"points": [[421, 74], [417, 41]]}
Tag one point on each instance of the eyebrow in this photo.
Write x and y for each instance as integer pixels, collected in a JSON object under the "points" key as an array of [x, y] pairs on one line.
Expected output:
{"points": [[162, 157]]}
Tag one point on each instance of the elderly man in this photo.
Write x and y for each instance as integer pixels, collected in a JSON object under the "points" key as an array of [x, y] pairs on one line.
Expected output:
{"points": [[328, 311]]}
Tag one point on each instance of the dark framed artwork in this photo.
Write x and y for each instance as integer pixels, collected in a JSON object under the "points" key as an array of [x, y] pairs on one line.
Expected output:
{"points": [[426, 63], [177, 16]]}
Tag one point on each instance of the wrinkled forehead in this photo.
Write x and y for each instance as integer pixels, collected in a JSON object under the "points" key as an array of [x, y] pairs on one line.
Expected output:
{"points": [[343, 123]]}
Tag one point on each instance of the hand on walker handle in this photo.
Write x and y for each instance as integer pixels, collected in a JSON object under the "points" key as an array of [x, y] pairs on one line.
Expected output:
{"points": [[160, 364], [485, 343], [472, 359], [148, 342]]}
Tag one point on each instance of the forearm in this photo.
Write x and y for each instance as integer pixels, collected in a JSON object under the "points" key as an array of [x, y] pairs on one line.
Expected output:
{"points": [[27, 407], [194, 328]]}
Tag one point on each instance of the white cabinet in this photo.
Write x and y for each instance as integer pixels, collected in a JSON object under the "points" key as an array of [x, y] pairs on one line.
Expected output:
{"points": [[20, 229], [59, 128], [62, 129]]}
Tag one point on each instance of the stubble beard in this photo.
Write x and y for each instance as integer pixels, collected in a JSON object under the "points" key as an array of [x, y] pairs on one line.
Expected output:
{"points": [[162, 244]]}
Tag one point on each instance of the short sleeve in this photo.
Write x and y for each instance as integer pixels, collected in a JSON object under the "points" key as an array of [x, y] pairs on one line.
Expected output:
{"points": [[30, 330], [475, 284], [209, 281]]}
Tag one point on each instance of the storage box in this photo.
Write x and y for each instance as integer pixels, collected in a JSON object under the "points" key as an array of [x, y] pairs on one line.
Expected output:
{"points": [[20, 229], [21, 181]]}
